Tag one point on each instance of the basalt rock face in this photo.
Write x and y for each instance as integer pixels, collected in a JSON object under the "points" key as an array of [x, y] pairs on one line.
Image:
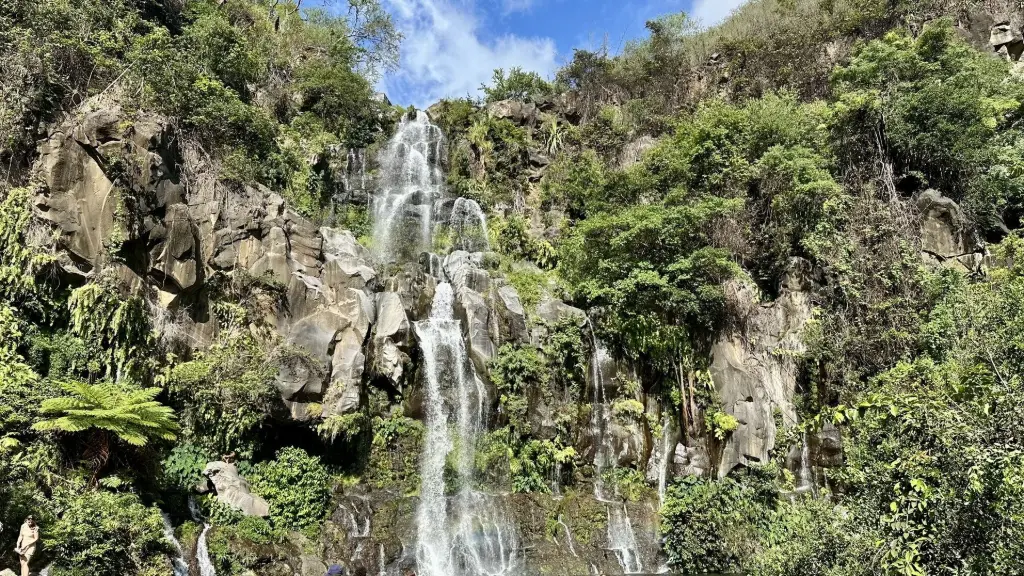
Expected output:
{"points": [[754, 366], [110, 188], [946, 239]]}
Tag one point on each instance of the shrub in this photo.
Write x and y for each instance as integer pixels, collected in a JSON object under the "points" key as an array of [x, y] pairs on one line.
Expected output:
{"points": [[297, 487], [104, 534], [518, 85]]}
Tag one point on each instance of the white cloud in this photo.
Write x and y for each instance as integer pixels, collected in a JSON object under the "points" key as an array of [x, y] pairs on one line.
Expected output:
{"points": [[444, 54], [511, 6], [711, 12]]}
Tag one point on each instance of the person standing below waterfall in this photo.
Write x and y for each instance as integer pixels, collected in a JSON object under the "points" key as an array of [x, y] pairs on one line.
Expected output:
{"points": [[27, 541]]}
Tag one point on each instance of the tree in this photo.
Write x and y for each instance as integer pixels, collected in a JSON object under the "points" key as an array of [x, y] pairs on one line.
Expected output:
{"points": [[518, 85], [105, 409]]}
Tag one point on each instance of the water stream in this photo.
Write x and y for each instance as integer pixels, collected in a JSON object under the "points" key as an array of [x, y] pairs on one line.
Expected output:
{"points": [[178, 564], [411, 180], [805, 475], [466, 534], [621, 537], [202, 550]]}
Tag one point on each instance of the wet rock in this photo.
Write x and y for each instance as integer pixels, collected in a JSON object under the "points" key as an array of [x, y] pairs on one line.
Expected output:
{"points": [[472, 311], [234, 490], [627, 442], [827, 447]]}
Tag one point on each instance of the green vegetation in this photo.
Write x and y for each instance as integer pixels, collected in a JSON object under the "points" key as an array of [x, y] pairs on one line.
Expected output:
{"points": [[669, 192], [297, 487], [518, 85]]}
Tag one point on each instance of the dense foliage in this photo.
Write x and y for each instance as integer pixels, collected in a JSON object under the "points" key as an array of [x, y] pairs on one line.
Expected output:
{"points": [[95, 388], [655, 190]]}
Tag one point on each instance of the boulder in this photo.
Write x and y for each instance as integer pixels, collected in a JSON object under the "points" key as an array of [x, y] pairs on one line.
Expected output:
{"points": [[1005, 34], [827, 447], [946, 239], [521, 113], [472, 311], [465, 270], [691, 461], [626, 438], [754, 368], [415, 288], [510, 316], [391, 336], [234, 490]]}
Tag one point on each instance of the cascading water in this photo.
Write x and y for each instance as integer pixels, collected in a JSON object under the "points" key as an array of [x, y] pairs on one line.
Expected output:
{"points": [[411, 181], [202, 550], [468, 226], [178, 565], [621, 538], [805, 475], [476, 540], [664, 459]]}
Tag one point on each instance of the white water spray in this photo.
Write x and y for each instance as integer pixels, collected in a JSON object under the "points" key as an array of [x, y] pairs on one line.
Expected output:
{"points": [[410, 181], [178, 564], [475, 540]]}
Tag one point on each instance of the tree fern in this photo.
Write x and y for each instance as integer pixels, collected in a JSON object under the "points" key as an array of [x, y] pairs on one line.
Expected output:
{"points": [[134, 416]]}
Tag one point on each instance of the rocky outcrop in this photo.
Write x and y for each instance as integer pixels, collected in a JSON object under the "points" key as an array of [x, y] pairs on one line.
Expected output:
{"points": [[754, 367], [516, 111], [946, 239], [104, 179], [233, 490], [108, 185], [391, 338]]}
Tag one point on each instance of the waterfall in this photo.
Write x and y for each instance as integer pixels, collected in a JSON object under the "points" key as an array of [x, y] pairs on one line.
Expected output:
{"points": [[468, 226], [568, 537], [665, 457], [410, 181], [202, 550], [805, 476], [621, 538], [178, 564], [477, 540]]}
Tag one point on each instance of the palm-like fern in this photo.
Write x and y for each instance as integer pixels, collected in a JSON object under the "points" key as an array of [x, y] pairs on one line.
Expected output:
{"points": [[133, 416]]}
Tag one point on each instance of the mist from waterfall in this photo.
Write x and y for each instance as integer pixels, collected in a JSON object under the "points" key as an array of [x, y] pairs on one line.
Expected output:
{"points": [[411, 180], [465, 535]]}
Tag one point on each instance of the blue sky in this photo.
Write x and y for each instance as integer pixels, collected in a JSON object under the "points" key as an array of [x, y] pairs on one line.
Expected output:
{"points": [[451, 46]]}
